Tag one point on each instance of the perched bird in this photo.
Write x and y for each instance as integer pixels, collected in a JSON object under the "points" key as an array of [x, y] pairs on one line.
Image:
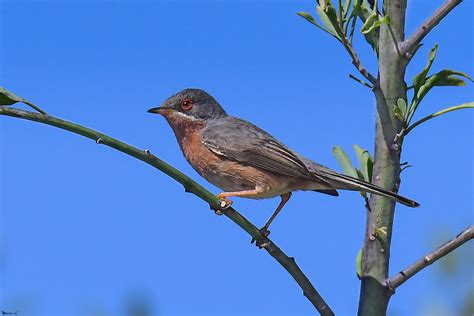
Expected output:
{"points": [[244, 160]]}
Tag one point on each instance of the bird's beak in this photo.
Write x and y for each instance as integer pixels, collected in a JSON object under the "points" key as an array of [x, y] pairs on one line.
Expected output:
{"points": [[160, 110]]}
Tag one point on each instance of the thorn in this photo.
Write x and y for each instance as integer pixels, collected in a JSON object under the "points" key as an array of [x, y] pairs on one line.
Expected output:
{"points": [[147, 152], [98, 140], [428, 260]]}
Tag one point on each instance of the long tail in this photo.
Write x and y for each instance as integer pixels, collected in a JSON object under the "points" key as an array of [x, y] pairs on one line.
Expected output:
{"points": [[341, 181]]}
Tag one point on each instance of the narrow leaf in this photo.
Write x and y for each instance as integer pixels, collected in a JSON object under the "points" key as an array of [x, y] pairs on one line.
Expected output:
{"points": [[420, 78], [326, 21], [346, 8], [344, 161], [369, 23], [469, 105], [8, 98], [437, 79], [450, 81], [384, 20], [308, 17], [366, 162], [402, 105], [359, 264], [400, 109]]}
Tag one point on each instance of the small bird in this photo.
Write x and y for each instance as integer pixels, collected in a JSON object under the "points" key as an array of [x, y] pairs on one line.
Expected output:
{"points": [[244, 160]]}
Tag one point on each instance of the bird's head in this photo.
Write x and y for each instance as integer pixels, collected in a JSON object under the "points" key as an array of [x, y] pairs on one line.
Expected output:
{"points": [[190, 104]]}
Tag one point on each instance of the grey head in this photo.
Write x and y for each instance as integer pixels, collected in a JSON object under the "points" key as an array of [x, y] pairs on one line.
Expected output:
{"points": [[192, 103]]}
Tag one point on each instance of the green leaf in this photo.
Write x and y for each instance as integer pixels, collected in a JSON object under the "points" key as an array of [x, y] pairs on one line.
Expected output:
{"points": [[384, 20], [308, 17], [420, 78], [438, 79], [374, 21], [369, 23], [9, 98], [324, 4], [400, 109], [346, 7], [326, 17], [362, 9], [451, 81], [469, 105], [359, 263], [344, 161], [402, 105], [332, 15], [366, 162]]}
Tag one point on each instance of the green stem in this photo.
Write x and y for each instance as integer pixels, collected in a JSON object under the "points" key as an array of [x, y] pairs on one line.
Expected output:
{"points": [[190, 186], [31, 105], [469, 105], [361, 81]]}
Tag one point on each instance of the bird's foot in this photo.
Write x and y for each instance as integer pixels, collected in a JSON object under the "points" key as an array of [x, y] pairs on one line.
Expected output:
{"points": [[224, 203], [260, 242]]}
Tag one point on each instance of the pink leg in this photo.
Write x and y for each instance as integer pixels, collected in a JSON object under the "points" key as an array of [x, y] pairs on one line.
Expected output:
{"points": [[284, 198], [264, 230], [227, 203]]}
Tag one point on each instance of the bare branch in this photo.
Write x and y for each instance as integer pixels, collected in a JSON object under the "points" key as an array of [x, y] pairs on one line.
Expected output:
{"points": [[410, 45], [356, 61], [425, 261], [190, 186]]}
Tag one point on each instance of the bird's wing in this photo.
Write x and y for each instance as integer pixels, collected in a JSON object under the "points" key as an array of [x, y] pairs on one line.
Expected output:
{"points": [[242, 141]]}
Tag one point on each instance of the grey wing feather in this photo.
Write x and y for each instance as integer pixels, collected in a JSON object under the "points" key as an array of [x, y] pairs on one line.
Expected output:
{"points": [[242, 141]]}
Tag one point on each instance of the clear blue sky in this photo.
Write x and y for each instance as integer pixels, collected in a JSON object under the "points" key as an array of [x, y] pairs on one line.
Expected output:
{"points": [[85, 229]]}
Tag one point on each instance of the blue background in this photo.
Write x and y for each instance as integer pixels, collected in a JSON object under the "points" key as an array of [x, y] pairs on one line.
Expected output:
{"points": [[86, 230]]}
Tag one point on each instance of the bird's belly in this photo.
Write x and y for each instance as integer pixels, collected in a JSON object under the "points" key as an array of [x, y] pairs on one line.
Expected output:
{"points": [[232, 176]]}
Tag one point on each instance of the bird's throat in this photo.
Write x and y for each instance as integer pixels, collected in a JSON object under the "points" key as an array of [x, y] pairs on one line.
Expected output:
{"points": [[183, 126]]}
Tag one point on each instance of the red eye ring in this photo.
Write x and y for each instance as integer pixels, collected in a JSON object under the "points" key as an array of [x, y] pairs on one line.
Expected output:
{"points": [[187, 104]]}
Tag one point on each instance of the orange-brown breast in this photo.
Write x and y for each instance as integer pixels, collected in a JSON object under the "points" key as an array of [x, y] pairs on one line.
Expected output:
{"points": [[224, 173]]}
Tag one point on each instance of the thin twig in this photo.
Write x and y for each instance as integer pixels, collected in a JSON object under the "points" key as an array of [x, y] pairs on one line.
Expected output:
{"points": [[410, 44], [31, 105], [425, 261], [356, 61], [190, 186], [468, 105], [361, 81]]}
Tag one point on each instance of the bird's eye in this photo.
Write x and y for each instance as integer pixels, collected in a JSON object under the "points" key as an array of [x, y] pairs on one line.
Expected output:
{"points": [[187, 104]]}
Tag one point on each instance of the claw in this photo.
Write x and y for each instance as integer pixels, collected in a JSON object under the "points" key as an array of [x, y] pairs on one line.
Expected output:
{"points": [[224, 202], [261, 243]]}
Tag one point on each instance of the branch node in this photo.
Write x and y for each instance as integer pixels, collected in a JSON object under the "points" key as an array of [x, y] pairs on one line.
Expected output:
{"points": [[428, 260], [411, 44]]}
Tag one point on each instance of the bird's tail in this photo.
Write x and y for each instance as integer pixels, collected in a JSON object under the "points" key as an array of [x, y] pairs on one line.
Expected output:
{"points": [[341, 181]]}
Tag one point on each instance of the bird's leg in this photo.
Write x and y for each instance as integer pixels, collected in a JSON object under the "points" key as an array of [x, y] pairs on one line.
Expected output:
{"points": [[264, 230], [284, 198], [226, 203]]}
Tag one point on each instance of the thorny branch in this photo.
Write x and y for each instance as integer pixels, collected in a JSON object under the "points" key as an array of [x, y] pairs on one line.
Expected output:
{"points": [[191, 186]]}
